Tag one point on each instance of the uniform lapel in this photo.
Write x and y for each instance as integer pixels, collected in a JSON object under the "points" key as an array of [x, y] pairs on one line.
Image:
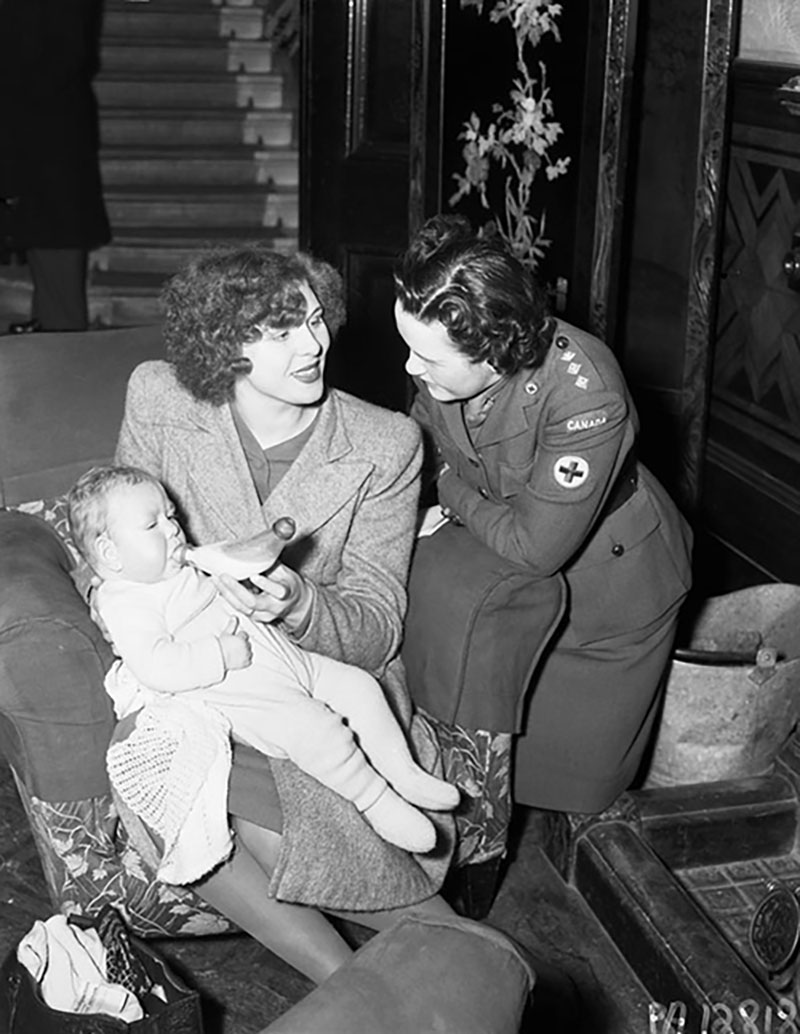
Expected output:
{"points": [[513, 412], [453, 417]]}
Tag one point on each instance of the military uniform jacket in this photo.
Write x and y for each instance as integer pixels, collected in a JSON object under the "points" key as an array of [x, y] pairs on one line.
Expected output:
{"points": [[533, 482]]}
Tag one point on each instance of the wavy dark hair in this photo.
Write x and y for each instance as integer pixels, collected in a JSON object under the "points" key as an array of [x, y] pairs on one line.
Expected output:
{"points": [[215, 305], [492, 308]]}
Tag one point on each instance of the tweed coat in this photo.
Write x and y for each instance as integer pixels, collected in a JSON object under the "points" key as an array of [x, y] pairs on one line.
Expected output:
{"points": [[352, 492], [532, 483]]}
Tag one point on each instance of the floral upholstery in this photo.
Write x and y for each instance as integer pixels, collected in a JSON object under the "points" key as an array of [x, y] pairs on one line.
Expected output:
{"points": [[54, 512], [479, 763], [89, 861]]}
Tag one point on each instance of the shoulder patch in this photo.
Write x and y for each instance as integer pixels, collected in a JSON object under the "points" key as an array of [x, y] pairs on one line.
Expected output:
{"points": [[586, 421], [570, 471]]}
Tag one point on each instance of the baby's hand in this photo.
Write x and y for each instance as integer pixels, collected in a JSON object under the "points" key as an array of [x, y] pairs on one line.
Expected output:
{"points": [[237, 651]]}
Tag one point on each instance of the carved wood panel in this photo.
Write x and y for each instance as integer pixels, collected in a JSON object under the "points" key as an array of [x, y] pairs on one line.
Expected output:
{"points": [[757, 359], [752, 480]]}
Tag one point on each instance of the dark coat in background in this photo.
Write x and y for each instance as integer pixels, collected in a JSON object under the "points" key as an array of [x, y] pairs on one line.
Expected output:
{"points": [[48, 125]]}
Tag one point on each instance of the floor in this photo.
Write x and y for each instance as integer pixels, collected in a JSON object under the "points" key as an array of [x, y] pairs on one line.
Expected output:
{"points": [[244, 987]]}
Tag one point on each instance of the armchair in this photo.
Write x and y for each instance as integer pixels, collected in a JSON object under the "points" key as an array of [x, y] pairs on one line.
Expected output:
{"points": [[61, 402]]}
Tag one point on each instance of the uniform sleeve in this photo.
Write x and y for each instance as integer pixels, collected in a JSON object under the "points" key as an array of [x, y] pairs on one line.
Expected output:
{"points": [[140, 637], [546, 507], [359, 617]]}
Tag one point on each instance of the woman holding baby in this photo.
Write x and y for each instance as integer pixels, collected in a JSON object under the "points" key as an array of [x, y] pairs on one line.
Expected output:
{"points": [[239, 427]]}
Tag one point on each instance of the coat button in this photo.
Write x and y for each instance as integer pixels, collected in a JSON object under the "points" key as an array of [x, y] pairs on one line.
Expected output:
{"points": [[618, 550], [483, 492], [531, 388], [562, 342]]}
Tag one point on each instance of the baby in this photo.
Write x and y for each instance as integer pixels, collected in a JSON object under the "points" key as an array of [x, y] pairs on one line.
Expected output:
{"points": [[177, 636]]}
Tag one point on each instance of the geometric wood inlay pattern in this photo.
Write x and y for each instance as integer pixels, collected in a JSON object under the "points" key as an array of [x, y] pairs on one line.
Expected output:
{"points": [[757, 354]]}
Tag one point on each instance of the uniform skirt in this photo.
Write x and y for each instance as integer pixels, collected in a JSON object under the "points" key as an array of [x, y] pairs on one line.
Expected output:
{"points": [[590, 717]]}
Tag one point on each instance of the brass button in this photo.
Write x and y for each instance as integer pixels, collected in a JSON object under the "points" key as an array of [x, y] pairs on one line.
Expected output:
{"points": [[618, 550], [562, 341], [531, 388]]}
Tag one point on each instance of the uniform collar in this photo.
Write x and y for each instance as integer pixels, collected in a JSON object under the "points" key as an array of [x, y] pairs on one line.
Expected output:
{"points": [[511, 414]]}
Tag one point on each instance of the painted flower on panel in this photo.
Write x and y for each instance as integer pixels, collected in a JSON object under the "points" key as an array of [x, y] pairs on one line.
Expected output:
{"points": [[515, 144]]}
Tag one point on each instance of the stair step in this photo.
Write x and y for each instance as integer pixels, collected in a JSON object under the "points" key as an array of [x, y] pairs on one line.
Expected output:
{"points": [[231, 55], [241, 167], [223, 91], [197, 144], [181, 126], [125, 305], [183, 21], [247, 208], [112, 303], [130, 253], [16, 292]]}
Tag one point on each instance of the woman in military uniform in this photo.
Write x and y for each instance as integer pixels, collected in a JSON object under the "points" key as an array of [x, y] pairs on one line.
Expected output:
{"points": [[535, 435]]}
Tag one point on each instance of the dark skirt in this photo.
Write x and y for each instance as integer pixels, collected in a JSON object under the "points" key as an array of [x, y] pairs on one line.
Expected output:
{"points": [[590, 718]]}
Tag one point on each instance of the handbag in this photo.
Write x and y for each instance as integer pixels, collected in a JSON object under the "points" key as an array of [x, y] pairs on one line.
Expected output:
{"points": [[129, 962], [476, 627]]}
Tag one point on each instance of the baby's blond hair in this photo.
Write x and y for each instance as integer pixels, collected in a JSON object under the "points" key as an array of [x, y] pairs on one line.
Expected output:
{"points": [[88, 499]]}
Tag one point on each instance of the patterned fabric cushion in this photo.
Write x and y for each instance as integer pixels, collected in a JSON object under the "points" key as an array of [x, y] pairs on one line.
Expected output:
{"points": [[479, 763], [89, 861], [52, 512]]}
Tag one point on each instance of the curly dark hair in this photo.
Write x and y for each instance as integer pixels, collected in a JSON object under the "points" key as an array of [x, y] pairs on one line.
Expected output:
{"points": [[491, 306], [215, 304]]}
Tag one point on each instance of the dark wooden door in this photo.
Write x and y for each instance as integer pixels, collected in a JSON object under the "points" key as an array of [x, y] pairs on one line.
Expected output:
{"points": [[463, 62], [386, 85], [671, 229], [354, 176]]}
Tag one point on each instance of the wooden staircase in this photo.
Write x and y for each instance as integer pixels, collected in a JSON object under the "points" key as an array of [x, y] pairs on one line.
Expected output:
{"points": [[197, 129]]}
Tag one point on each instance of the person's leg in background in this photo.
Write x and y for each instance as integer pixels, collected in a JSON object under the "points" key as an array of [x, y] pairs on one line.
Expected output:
{"points": [[59, 288]]}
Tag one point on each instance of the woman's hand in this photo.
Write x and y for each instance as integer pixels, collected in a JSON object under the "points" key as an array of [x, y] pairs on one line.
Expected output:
{"points": [[283, 595]]}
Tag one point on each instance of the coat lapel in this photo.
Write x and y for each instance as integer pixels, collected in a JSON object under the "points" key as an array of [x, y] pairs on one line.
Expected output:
{"points": [[323, 478], [219, 472]]}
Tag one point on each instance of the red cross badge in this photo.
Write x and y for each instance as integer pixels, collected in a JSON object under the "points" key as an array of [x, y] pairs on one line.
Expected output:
{"points": [[570, 471]]}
